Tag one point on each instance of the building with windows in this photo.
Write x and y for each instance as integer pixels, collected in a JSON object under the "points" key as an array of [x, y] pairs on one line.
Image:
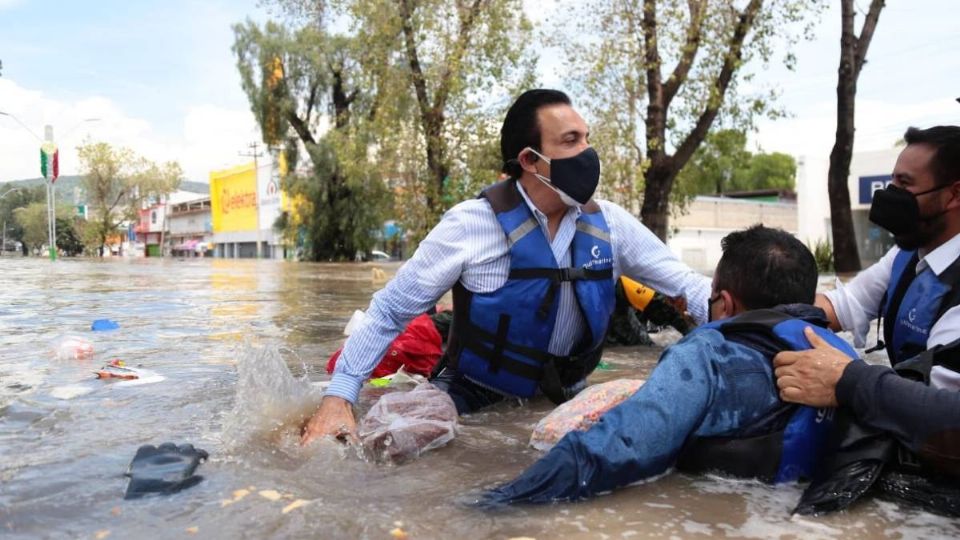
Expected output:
{"points": [[695, 236], [189, 229]]}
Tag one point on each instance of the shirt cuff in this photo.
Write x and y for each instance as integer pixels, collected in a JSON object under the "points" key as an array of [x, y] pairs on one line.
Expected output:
{"points": [[851, 318], [344, 386]]}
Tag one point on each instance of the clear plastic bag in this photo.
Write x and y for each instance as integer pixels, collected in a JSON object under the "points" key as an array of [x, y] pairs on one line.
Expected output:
{"points": [[402, 425], [72, 348], [582, 411]]}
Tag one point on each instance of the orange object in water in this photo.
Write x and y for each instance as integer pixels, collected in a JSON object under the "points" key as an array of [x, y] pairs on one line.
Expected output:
{"points": [[115, 369]]}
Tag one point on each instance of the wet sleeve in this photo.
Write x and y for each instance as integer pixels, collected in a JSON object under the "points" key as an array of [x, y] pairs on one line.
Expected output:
{"points": [[432, 271], [923, 418], [640, 255], [638, 439]]}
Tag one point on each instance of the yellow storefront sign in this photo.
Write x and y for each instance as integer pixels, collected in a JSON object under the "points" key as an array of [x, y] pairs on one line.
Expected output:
{"points": [[233, 199]]}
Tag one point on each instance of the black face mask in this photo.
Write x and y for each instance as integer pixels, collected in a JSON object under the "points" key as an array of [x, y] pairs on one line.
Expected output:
{"points": [[896, 210], [576, 177]]}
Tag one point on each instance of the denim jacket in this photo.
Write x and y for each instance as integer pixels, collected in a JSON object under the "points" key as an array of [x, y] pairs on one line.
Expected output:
{"points": [[704, 385]]}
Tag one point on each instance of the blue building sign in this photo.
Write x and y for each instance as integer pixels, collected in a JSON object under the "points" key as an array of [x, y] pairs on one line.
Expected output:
{"points": [[869, 184]]}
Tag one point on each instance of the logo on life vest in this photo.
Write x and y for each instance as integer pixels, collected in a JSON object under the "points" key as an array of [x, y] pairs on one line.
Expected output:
{"points": [[597, 260], [912, 315]]}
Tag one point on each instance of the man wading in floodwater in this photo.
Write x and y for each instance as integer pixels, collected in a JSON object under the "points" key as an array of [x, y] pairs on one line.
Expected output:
{"points": [[532, 263], [711, 404]]}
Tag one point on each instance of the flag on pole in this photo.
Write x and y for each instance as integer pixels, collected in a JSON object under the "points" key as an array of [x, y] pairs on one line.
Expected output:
{"points": [[50, 161]]}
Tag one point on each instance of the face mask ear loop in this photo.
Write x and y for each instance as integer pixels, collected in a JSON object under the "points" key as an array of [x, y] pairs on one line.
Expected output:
{"points": [[541, 156]]}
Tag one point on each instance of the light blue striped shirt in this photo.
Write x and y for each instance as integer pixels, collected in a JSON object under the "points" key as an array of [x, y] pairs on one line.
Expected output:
{"points": [[468, 245]]}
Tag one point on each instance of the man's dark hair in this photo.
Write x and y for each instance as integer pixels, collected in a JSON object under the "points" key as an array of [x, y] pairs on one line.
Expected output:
{"points": [[520, 127], [945, 163], [764, 267]]}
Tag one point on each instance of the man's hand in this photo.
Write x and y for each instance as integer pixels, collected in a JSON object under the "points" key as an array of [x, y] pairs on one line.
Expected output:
{"points": [[810, 377], [333, 418]]}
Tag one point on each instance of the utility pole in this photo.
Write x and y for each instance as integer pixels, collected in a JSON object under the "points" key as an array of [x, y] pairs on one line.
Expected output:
{"points": [[50, 167], [255, 153], [49, 170]]}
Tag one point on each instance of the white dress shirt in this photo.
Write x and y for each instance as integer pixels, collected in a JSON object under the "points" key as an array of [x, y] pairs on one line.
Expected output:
{"points": [[857, 303], [469, 246]]}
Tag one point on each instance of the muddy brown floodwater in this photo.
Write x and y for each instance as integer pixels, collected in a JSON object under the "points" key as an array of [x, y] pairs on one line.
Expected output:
{"points": [[241, 346]]}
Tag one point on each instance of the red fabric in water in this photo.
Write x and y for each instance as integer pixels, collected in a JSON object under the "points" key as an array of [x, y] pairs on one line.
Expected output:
{"points": [[417, 349]]}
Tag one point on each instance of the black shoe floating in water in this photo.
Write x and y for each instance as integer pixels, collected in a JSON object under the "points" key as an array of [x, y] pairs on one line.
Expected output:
{"points": [[163, 469]]}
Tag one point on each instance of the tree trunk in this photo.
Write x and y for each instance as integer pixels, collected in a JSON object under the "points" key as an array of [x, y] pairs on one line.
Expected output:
{"points": [[655, 211], [436, 162], [664, 168], [853, 51]]}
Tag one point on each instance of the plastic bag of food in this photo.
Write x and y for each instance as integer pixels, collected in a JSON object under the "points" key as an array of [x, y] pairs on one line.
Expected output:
{"points": [[402, 425], [582, 411]]}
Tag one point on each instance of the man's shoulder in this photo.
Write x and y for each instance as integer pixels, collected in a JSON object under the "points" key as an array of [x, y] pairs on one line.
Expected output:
{"points": [[471, 211], [706, 350], [610, 207], [709, 343], [616, 215], [699, 339]]}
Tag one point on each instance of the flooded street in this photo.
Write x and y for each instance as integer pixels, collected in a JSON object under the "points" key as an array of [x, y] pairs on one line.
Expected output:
{"points": [[224, 334]]}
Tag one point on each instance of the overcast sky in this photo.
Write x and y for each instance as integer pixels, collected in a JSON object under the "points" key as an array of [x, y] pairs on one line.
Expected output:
{"points": [[161, 78]]}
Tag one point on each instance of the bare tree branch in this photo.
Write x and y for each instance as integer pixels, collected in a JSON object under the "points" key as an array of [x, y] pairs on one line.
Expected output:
{"points": [[730, 63], [866, 34], [691, 45]]}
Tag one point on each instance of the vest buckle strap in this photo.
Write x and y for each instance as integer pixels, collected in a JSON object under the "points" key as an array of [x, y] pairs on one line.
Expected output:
{"points": [[570, 274]]}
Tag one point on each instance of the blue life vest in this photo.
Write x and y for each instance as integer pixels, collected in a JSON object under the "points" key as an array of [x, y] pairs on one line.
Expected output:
{"points": [[788, 443], [914, 303], [500, 339]]}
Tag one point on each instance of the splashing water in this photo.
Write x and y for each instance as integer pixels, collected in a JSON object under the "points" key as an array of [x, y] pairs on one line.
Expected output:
{"points": [[271, 404]]}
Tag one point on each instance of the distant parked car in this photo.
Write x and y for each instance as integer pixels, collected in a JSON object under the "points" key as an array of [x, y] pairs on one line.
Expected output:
{"points": [[377, 255]]}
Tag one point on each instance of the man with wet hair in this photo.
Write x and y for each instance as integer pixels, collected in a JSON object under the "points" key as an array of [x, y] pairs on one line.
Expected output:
{"points": [[532, 263], [711, 403], [915, 289]]}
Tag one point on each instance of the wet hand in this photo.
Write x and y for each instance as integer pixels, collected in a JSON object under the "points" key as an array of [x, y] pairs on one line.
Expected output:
{"points": [[334, 418], [810, 377]]}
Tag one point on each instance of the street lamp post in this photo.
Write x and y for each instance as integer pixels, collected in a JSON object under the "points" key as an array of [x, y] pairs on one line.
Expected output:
{"points": [[49, 168]]}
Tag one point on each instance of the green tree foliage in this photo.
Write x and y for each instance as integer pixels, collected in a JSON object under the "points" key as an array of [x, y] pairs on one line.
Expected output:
{"points": [[656, 74], [31, 220], [117, 183], [311, 97], [398, 99], [70, 233], [771, 171], [722, 164], [447, 70], [20, 198]]}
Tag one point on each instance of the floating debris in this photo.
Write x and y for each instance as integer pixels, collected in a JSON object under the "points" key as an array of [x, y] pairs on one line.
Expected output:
{"points": [[270, 495], [293, 506], [238, 495]]}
